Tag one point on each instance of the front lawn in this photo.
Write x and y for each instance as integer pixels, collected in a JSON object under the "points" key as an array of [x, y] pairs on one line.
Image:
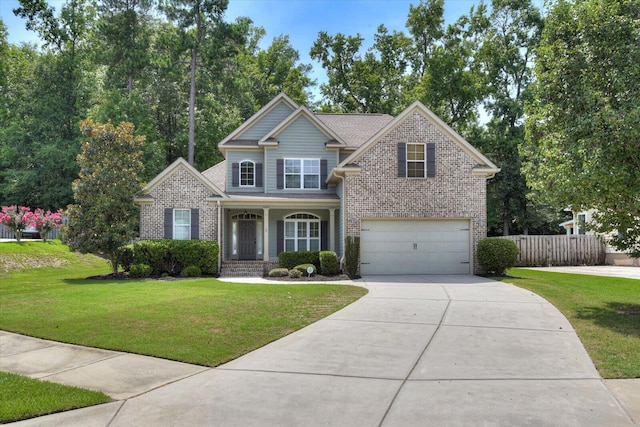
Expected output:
{"points": [[23, 397], [201, 321], [45, 293], [604, 311]]}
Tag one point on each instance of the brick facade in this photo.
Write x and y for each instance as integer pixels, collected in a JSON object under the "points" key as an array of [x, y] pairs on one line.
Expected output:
{"points": [[180, 190], [378, 192]]}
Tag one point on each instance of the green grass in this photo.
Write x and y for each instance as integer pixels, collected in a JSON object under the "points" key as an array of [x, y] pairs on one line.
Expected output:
{"points": [[200, 321], [604, 311], [23, 397]]}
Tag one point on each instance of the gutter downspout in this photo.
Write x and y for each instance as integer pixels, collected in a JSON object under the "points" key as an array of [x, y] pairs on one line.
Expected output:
{"points": [[219, 245]]}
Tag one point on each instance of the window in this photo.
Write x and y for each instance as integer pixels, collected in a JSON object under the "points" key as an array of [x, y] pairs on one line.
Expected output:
{"points": [[416, 160], [301, 233], [182, 224], [247, 174], [302, 173]]}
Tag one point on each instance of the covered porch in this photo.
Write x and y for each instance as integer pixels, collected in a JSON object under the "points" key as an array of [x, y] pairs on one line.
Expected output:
{"points": [[258, 228]]}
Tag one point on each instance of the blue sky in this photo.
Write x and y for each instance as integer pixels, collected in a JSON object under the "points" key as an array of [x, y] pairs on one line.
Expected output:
{"points": [[300, 19]]}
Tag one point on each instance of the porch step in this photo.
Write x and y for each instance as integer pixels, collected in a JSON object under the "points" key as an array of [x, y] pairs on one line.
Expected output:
{"points": [[244, 268]]}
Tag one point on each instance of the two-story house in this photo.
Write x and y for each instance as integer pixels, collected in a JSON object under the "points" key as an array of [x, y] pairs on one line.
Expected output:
{"points": [[410, 187]]}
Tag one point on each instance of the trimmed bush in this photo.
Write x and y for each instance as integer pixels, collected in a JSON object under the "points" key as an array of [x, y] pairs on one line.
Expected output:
{"points": [[124, 257], [302, 268], [496, 255], [191, 271], [289, 260], [295, 274], [139, 271], [279, 272], [173, 256], [352, 256], [329, 264]]}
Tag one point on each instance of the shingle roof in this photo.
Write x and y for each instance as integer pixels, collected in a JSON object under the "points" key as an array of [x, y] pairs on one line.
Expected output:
{"points": [[217, 174], [354, 129]]}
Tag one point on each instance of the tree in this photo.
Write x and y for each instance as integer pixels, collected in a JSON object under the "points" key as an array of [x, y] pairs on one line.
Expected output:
{"points": [[583, 140], [104, 216], [506, 55], [195, 18], [367, 84]]}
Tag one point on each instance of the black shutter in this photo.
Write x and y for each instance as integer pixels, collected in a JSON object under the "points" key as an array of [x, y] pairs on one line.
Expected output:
{"points": [[431, 160], [323, 174], [280, 173], [168, 223], [280, 236], [258, 174], [235, 174], [402, 159], [195, 224], [324, 235]]}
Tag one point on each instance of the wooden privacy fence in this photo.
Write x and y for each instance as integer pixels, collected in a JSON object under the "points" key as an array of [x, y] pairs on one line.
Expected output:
{"points": [[541, 251]]}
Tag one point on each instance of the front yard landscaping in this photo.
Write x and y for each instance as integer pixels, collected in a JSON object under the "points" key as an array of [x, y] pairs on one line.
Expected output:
{"points": [[604, 311], [200, 321]]}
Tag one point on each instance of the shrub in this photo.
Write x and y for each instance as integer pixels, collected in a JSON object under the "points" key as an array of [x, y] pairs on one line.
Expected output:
{"points": [[173, 256], [329, 264], [125, 257], [497, 255], [295, 274], [352, 255], [279, 272], [302, 268], [139, 271], [191, 271], [289, 260]]}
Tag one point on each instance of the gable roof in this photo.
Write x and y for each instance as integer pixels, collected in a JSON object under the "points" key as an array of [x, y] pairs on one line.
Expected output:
{"points": [[354, 129], [279, 99], [303, 112], [181, 163], [485, 166]]}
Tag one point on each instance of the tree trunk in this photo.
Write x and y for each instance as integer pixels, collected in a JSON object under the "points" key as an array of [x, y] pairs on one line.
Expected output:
{"points": [[192, 106]]}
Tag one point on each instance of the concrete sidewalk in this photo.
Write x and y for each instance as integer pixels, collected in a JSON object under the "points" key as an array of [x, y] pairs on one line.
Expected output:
{"points": [[416, 350]]}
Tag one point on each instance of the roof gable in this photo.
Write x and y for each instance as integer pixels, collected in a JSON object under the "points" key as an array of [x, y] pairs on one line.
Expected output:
{"points": [[179, 164], [486, 167], [298, 113], [280, 100]]}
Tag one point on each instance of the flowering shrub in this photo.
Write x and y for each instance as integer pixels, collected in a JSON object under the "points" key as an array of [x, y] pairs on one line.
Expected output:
{"points": [[44, 222], [19, 218]]}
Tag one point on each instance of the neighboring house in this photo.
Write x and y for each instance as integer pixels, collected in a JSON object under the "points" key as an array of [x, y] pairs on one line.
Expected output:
{"points": [[410, 187], [577, 225]]}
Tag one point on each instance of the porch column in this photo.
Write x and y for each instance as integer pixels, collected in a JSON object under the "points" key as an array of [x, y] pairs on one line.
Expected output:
{"points": [[332, 230], [265, 232]]}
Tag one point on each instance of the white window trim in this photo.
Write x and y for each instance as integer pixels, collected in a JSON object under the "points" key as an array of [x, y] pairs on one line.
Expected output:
{"points": [[424, 161], [253, 166], [302, 174], [305, 218], [187, 226]]}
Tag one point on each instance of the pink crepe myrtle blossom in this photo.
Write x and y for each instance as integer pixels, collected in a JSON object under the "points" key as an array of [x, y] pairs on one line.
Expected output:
{"points": [[16, 218], [19, 218]]}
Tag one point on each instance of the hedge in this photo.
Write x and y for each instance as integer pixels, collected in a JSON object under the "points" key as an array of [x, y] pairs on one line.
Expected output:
{"points": [[289, 260], [496, 255], [173, 256]]}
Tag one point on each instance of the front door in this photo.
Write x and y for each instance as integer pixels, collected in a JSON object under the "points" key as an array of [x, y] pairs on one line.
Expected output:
{"points": [[247, 239]]}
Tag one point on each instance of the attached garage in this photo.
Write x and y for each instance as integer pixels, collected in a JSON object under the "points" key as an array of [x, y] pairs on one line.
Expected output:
{"points": [[415, 247]]}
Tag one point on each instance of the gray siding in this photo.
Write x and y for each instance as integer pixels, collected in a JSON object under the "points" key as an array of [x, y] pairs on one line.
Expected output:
{"points": [[263, 126], [237, 157], [300, 140]]}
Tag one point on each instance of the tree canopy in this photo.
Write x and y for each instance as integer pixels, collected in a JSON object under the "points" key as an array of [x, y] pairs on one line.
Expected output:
{"points": [[583, 139]]}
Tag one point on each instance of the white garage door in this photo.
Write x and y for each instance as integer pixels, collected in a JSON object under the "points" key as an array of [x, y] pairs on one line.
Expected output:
{"points": [[415, 247]]}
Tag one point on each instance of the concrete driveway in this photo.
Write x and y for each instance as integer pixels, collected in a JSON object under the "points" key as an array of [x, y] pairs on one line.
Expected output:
{"points": [[416, 350]]}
